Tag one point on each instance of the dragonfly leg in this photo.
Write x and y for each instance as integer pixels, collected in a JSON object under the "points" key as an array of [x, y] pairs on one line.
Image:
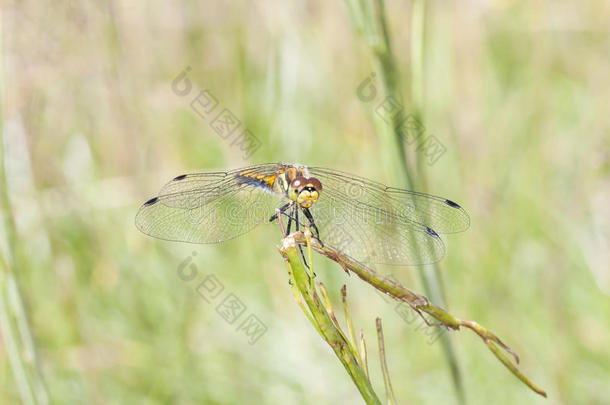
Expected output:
{"points": [[281, 211], [279, 220], [313, 224], [289, 224], [296, 217]]}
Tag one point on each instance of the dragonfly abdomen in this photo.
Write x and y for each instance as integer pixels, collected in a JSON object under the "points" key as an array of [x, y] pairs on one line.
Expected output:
{"points": [[252, 178]]}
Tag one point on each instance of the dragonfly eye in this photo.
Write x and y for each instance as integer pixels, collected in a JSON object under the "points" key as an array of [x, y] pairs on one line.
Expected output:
{"points": [[316, 183], [298, 182]]}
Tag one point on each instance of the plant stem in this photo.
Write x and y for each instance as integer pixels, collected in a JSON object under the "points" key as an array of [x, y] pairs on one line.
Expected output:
{"points": [[419, 303], [14, 326], [384, 365], [372, 22], [323, 321]]}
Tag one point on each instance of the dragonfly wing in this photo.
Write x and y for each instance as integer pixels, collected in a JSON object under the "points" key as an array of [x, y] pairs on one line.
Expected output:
{"points": [[372, 235], [437, 213], [209, 207], [195, 184]]}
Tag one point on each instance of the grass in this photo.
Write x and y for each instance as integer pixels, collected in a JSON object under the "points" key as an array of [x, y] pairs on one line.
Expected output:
{"points": [[515, 91], [418, 303], [321, 315], [372, 23], [14, 323]]}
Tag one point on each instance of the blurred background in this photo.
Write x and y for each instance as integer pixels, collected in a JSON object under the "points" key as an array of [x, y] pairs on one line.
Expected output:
{"points": [[516, 93]]}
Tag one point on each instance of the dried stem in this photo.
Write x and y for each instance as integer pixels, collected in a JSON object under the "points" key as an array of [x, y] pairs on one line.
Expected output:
{"points": [[420, 304], [384, 365]]}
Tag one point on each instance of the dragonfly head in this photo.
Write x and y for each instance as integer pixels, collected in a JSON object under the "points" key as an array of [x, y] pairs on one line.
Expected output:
{"points": [[305, 191]]}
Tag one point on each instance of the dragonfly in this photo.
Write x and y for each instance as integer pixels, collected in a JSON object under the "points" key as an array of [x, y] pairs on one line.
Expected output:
{"points": [[366, 220]]}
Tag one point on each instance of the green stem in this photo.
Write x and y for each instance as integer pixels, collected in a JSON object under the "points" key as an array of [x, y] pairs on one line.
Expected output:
{"points": [[14, 327], [326, 327], [372, 21]]}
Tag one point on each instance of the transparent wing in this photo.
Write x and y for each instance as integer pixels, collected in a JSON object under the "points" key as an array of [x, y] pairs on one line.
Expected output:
{"points": [[192, 185], [374, 223], [209, 207], [372, 235], [440, 214]]}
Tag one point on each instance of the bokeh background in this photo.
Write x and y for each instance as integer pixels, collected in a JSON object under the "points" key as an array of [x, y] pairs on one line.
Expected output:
{"points": [[517, 92]]}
